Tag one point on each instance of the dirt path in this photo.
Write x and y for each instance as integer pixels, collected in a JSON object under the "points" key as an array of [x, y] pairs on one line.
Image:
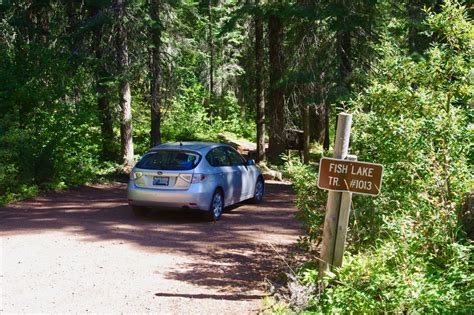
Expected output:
{"points": [[83, 251]]}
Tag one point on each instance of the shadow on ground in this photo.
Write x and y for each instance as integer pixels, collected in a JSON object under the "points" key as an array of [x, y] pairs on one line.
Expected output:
{"points": [[232, 254]]}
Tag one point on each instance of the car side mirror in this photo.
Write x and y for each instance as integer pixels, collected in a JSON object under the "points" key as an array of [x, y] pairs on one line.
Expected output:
{"points": [[250, 162]]}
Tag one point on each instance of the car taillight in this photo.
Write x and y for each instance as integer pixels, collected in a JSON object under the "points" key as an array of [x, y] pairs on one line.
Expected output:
{"points": [[197, 178], [136, 175]]}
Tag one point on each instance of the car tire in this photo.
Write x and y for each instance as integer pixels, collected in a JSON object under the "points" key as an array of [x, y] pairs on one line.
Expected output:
{"points": [[216, 207], [259, 191], [140, 211]]}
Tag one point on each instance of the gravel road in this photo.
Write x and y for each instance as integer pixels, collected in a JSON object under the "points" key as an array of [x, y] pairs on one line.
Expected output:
{"points": [[83, 251]]}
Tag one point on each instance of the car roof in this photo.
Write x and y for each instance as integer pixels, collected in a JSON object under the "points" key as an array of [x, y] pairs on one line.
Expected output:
{"points": [[187, 145]]}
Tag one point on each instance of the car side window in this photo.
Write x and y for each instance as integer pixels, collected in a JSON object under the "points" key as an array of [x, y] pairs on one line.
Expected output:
{"points": [[235, 158], [217, 157]]}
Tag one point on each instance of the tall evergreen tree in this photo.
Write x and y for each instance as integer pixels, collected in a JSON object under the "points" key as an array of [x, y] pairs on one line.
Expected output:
{"points": [[259, 83], [276, 102], [155, 71], [125, 97], [97, 19]]}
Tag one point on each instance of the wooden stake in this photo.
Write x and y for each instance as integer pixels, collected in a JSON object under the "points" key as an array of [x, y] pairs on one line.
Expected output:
{"points": [[341, 147], [342, 223]]}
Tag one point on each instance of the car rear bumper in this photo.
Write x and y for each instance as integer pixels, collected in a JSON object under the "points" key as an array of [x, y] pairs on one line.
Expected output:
{"points": [[191, 198]]}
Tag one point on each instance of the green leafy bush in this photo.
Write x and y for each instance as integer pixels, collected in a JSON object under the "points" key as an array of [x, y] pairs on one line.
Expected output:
{"points": [[189, 117], [406, 251], [54, 151], [46, 139], [310, 200], [186, 117]]}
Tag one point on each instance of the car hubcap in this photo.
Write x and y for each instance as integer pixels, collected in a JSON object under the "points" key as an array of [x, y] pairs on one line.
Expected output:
{"points": [[259, 190], [217, 205]]}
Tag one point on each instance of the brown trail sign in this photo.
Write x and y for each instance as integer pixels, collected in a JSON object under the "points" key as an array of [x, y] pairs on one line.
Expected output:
{"points": [[356, 177], [341, 176]]}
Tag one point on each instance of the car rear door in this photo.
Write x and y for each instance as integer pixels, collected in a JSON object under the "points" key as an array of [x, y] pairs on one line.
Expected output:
{"points": [[230, 178], [240, 168]]}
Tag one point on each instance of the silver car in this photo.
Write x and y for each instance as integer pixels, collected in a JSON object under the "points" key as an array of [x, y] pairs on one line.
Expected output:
{"points": [[193, 175]]}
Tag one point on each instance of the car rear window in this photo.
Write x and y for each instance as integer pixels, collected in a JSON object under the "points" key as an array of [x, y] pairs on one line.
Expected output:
{"points": [[169, 160]]}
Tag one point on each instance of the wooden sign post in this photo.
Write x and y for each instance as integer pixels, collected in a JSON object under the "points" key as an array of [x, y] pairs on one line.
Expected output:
{"points": [[342, 175]]}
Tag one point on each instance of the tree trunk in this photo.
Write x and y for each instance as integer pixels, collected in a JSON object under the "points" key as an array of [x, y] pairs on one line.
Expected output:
{"points": [[276, 102], [125, 98], [345, 66], [317, 123], [323, 111], [103, 93], [305, 116], [260, 86], [105, 117], [344, 54], [211, 52], [240, 93], [326, 123], [320, 116], [418, 41], [155, 70], [414, 13]]}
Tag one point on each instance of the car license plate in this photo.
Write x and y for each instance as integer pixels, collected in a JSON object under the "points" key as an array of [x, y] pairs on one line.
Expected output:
{"points": [[162, 181]]}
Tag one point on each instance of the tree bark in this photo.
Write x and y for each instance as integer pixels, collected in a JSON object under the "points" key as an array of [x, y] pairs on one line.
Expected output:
{"points": [[241, 100], [344, 53], [211, 52], [156, 81], [326, 129], [418, 41], [320, 115], [345, 66], [276, 102], [260, 86], [305, 116], [125, 98], [105, 117], [103, 93]]}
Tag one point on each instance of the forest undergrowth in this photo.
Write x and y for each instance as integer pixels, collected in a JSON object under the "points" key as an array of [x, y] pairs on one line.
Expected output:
{"points": [[62, 150], [406, 250]]}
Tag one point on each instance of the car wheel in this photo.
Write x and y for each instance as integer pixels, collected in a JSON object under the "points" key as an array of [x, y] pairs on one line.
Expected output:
{"points": [[216, 207], [140, 211], [259, 190]]}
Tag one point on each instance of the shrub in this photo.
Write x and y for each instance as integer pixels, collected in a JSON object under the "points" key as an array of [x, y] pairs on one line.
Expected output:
{"points": [[406, 250]]}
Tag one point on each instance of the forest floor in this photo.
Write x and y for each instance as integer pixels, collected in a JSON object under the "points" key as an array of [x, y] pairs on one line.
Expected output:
{"points": [[82, 250]]}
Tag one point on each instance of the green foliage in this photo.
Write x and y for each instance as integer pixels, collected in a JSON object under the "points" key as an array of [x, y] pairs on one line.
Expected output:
{"points": [[186, 118], [395, 278], [189, 117], [406, 251], [310, 200], [53, 55], [57, 150], [46, 139]]}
